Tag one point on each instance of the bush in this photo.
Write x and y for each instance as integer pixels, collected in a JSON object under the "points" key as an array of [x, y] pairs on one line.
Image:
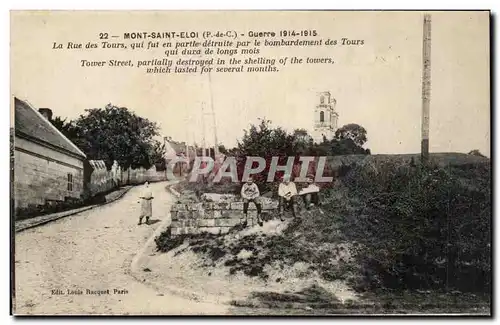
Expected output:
{"points": [[166, 242], [49, 207], [421, 227]]}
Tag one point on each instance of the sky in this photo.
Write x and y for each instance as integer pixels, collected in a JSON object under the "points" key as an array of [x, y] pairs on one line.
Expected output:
{"points": [[376, 85]]}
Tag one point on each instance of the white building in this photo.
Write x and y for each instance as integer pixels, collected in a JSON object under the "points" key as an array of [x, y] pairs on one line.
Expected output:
{"points": [[325, 117], [48, 167]]}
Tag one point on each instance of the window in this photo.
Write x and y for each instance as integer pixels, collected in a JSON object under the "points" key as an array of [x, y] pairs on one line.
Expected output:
{"points": [[70, 182], [322, 99], [321, 116]]}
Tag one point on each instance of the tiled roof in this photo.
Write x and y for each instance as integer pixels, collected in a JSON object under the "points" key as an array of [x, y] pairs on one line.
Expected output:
{"points": [[28, 121], [97, 164]]}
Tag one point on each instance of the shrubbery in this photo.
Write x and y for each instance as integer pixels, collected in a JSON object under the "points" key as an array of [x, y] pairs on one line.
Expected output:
{"points": [[34, 210], [421, 226], [38, 210]]}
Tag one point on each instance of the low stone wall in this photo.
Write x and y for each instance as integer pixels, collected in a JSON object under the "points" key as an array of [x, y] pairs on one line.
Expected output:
{"points": [[215, 217]]}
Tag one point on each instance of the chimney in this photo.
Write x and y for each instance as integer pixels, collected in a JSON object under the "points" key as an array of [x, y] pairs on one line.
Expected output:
{"points": [[46, 112]]}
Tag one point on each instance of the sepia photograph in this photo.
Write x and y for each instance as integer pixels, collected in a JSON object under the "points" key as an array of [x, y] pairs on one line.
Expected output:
{"points": [[250, 163]]}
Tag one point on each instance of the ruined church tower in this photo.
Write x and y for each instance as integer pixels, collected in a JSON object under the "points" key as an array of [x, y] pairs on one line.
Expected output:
{"points": [[325, 117]]}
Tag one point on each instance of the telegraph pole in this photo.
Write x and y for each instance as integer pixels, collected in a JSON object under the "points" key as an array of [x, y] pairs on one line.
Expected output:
{"points": [[165, 155], [216, 146], [426, 86], [186, 123], [204, 144]]}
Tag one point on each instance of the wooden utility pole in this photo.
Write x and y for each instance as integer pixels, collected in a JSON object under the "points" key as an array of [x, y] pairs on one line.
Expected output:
{"points": [[187, 124], [426, 86], [216, 146], [165, 156], [204, 144]]}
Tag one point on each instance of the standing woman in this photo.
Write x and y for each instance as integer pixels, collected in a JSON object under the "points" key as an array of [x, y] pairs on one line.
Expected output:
{"points": [[146, 204]]}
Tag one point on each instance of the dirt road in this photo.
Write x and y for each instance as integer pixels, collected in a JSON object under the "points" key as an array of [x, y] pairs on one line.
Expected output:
{"points": [[80, 264]]}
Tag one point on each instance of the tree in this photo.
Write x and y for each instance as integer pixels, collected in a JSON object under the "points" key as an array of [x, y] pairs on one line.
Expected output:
{"points": [[265, 141], [476, 152], [67, 128], [354, 132], [222, 149], [114, 133], [347, 146], [302, 141], [157, 155]]}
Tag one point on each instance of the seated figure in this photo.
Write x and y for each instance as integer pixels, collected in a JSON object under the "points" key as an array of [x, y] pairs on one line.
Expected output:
{"points": [[286, 193], [310, 194], [250, 193]]}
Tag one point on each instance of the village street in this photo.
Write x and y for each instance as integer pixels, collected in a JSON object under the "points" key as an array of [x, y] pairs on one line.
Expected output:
{"points": [[93, 250]]}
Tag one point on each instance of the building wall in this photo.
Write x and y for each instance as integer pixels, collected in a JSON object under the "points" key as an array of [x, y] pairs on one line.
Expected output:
{"points": [[42, 174], [141, 175], [103, 180]]}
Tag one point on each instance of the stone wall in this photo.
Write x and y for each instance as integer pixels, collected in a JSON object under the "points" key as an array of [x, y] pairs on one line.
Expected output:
{"points": [[141, 175], [101, 179], [215, 217]]}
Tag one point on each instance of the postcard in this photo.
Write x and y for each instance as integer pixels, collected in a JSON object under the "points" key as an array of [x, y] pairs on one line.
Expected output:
{"points": [[251, 163]]}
